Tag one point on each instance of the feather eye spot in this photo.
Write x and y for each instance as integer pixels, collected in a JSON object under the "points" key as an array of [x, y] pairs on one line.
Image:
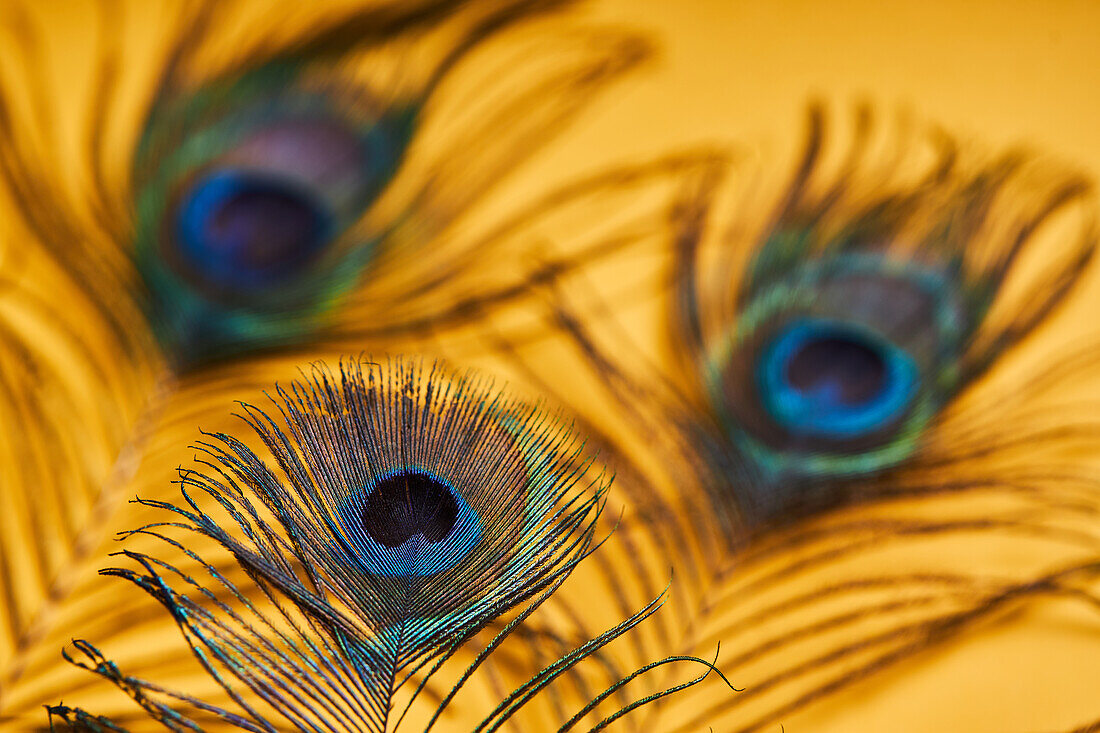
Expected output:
{"points": [[248, 194], [239, 229], [837, 368], [408, 503], [827, 379], [263, 212], [411, 523]]}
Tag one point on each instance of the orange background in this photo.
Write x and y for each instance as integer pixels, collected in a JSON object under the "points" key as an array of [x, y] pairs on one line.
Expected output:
{"points": [[730, 71]]}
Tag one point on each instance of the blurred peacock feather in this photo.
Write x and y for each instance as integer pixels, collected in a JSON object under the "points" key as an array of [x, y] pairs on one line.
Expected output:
{"points": [[411, 507], [821, 441]]}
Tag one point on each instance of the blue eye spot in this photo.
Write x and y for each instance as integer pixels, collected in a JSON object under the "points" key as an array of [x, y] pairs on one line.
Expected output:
{"points": [[409, 523], [826, 379], [243, 230]]}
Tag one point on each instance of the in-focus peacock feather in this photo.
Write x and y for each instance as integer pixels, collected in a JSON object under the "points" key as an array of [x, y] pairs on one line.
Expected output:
{"points": [[101, 299], [411, 506], [823, 433]]}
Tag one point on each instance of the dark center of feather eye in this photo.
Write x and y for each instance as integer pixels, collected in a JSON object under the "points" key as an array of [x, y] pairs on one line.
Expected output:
{"points": [[241, 229], [835, 381], [838, 367], [409, 503]]}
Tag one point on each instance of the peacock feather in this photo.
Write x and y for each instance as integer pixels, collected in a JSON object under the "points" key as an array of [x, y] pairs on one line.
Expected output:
{"points": [[862, 313], [823, 425], [410, 506]]}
